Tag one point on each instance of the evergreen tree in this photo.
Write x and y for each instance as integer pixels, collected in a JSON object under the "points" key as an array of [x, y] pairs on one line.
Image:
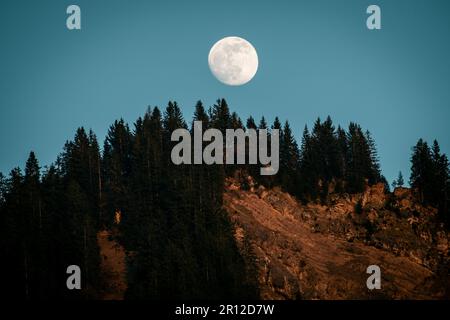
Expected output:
{"points": [[262, 123], [32, 225], [399, 182], [441, 183], [421, 170], [326, 154], [342, 159], [277, 125], [374, 174], [201, 115], [362, 167], [308, 177], [236, 122], [117, 166], [220, 115], [430, 177], [289, 160], [251, 124], [440, 172]]}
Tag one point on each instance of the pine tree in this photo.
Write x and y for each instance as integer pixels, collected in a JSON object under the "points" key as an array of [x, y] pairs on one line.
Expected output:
{"points": [[262, 123], [422, 170], [326, 154], [361, 167], [400, 181], [430, 177], [308, 176], [440, 172], [95, 177], [251, 124], [277, 125], [32, 170], [440, 183], [374, 173], [117, 163], [289, 160], [220, 115], [201, 115], [342, 159], [236, 122], [32, 237]]}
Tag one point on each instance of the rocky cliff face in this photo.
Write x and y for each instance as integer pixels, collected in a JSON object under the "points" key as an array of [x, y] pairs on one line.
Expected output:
{"points": [[322, 251]]}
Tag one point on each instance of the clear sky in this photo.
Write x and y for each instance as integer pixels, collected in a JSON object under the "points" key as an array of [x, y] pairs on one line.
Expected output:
{"points": [[316, 58]]}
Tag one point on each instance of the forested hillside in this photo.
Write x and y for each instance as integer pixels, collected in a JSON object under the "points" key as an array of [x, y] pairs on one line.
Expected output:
{"points": [[170, 219]]}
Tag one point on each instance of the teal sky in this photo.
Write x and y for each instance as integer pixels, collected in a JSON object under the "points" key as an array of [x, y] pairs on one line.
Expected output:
{"points": [[316, 58]]}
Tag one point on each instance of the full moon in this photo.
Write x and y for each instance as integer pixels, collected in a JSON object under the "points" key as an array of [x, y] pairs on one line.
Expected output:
{"points": [[233, 61]]}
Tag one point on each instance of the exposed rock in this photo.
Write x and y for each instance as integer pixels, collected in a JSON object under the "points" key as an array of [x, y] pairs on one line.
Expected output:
{"points": [[113, 266], [320, 251], [374, 196]]}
